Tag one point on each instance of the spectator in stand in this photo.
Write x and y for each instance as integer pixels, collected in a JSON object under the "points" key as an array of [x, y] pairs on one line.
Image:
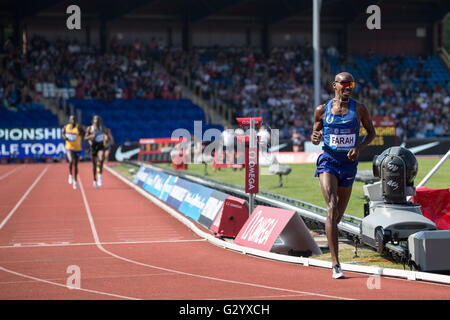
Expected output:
{"points": [[439, 129], [264, 138], [332, 51], [429, 128], [228, 143], [297, 141]]}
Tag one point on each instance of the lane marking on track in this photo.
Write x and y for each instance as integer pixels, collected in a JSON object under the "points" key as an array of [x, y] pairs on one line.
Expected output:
{"points": [[99, 245], [67, 244], [65, 286], [261, 297], [39, 279], [23, 198], [119, 276], [8, 173]]}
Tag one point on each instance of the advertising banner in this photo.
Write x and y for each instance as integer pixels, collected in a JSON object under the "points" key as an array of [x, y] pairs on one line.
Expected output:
{"points": [[212, 208], [195, 201], [252, 171], [385, 137], [429, 146], [263, 227], [124, 152], [277, 230], [297, 157], [141, 176], [31, 142], [153, 149], [179, 191], [167, 188], [155, 182], [191, 199]]}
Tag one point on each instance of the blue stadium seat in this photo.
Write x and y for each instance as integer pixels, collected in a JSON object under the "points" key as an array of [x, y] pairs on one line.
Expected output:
{"points": [[141, 118]]}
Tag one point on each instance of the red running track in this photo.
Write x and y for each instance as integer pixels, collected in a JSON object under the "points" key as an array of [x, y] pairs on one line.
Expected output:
{"points": [[125, 247]]}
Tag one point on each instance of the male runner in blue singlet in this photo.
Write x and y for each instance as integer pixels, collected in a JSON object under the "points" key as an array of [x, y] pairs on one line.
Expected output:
{"points": [[338, 122]]}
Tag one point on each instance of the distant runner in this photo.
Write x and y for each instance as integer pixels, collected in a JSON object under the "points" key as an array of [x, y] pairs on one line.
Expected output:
{"points": [[72, 133], [98, 137]]}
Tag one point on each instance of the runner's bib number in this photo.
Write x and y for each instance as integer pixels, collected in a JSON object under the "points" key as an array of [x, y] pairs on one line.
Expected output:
{"points": [[99, 137], [342, 141], [71, 136]]}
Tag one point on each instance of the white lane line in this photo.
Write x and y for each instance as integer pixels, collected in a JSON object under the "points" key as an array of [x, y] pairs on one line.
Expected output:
{"points": [[65, 286], [261, 297], [93, 278], [43, 280], [40, 234], [42, 240], [23, 198], [66, 244], [8, 173], [99, 245]]}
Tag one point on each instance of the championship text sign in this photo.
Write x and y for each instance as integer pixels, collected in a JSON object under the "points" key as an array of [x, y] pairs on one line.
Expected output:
{"points": [[31, 142]]}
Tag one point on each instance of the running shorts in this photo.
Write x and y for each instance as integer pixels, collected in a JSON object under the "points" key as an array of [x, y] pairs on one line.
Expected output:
{"points": [[344, 170]]}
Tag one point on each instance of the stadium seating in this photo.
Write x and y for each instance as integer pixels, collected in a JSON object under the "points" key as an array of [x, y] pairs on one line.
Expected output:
{"points": [[141, 118], [32, 116], [238, 79], [362, 68], [278, 86]]}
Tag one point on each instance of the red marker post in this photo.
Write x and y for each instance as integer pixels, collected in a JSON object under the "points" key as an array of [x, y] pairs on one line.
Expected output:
{"points": [[251, 158]]}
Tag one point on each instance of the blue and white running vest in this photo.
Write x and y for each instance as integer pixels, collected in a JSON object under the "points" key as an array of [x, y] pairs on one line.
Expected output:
{"points": [[340, 132]]}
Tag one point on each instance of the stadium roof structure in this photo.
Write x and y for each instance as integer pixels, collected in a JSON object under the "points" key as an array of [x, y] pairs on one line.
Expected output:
{"points": [[191, 11], [204, 14]]}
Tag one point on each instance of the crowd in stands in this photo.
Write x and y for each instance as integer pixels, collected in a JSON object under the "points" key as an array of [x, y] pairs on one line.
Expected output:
{"points": [[277, 87], [15, 89], [421, 109], [124, 72]]}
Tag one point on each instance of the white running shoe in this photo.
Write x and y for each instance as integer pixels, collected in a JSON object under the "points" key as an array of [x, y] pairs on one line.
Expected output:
{"points": [[337, 272], [99, 179], [70, 179], [75, 185], [95, 184]]}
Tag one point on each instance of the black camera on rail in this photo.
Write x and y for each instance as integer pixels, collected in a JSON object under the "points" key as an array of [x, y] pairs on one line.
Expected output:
{"points": [[397, 167]]}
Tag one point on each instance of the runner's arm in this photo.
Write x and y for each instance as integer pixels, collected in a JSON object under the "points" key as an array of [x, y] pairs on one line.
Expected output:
{"points": [[110, 137], [364, 118], [317, 133], [368, 125], [81, 130], [88, 136], [64, 133]]}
